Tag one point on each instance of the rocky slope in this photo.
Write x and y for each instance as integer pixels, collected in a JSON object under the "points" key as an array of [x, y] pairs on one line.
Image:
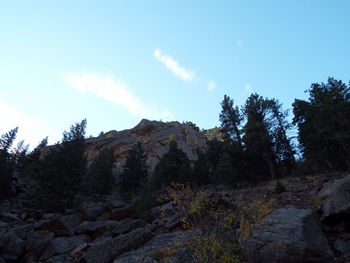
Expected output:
{"points": [[310, 223], [154, 136]]}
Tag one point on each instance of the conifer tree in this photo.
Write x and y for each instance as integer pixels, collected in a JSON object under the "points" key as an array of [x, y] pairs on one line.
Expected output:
{"points": [[258, 140], [174, 166], [63, 167], [225, 172], [135, 170], [99, 179], [7, 162], [324, 125]]}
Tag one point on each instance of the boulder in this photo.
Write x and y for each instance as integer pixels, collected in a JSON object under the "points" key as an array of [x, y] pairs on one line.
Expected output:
{"points": [[336, 201], [95, 229], [92, 210], [70, 221], [121, 213], [11, 246], [23, 231], [173, 221], [342, 246], [35, 244], [55, 226], [62, 245], [10, 217], [154, 246], [288, 235], [110, 249], [128, 225], [4, 228]]}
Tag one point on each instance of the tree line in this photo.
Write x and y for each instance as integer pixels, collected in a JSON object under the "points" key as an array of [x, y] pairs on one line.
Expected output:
{"points": [[256, 145]]}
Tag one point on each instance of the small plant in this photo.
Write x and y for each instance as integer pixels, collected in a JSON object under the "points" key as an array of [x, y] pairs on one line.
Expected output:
{"points": [[279, 188], [214, 228]]}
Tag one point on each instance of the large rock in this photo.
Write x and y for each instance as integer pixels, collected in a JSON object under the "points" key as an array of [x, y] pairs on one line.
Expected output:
{"points": [[154, 246], [154, 136], [110, 249], [288, 235], [128, 225], [91, 211], [70, 221], [336, 201], [62, 245], [121, 213], [55, 226], [11, 246], [35, 244], [95, 229], [23, 231], [4, 228]]}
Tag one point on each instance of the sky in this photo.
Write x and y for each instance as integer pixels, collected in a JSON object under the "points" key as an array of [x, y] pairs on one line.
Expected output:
{"points": [[117, 62]]}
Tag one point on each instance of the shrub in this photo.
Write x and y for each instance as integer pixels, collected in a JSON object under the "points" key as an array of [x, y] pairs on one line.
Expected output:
{"points": [[279, 188], [215, 228]]}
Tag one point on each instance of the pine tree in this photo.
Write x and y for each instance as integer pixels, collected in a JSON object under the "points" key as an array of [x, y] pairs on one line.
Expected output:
{"points": [[225, 172], [7, 162], [258, 140], [231, 118], [324, 125], [99, 179], [63, 167], [201, 169], [135, 170], [174, 166], [32, 163]]}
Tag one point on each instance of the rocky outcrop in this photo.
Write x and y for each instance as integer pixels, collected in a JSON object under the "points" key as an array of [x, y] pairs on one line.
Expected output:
{"points": [[110, 249], [288, 235], [154, 136], [336, 200]]}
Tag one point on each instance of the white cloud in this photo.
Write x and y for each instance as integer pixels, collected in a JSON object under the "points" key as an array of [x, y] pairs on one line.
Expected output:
{"points": [[29, 130], [239, 43], [174, 66], [211, 86], [248, 88], [115, 91]]}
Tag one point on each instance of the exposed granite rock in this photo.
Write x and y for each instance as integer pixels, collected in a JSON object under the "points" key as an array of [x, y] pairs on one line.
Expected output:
{"points": [[121, 213], [110, 249], [55, 226], [61, 245], [128, 225], [336, 201], [152, 247], [288, 235], [154, 136], [11, 246], [91, 211], [35, 244], [95, 229]]}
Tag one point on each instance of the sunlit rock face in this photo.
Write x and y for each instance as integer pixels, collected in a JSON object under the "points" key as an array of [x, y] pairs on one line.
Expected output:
{"points": [[154, 136]]}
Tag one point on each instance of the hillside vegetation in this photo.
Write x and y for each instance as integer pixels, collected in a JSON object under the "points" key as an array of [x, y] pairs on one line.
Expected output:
{"points": [[259, 188]]}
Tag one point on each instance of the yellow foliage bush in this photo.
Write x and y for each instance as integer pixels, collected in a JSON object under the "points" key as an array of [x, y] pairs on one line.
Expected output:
{"points": [[215, 229]]}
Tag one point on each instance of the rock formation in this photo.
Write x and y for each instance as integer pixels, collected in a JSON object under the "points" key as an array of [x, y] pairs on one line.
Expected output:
{"points": [[154, 136]]}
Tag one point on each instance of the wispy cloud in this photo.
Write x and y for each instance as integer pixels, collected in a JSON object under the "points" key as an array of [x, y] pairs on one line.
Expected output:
{"points": [[115, 91], [29, 129], [248, 88], [239, 42], [211, 86], [174, 66]]}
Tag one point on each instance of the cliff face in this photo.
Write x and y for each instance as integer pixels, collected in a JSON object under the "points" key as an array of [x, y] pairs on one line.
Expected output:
{"points": [[154, 136]]}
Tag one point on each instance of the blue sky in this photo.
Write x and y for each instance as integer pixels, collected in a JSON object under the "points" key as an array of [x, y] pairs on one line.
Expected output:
{"points": [[116, 62]]}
